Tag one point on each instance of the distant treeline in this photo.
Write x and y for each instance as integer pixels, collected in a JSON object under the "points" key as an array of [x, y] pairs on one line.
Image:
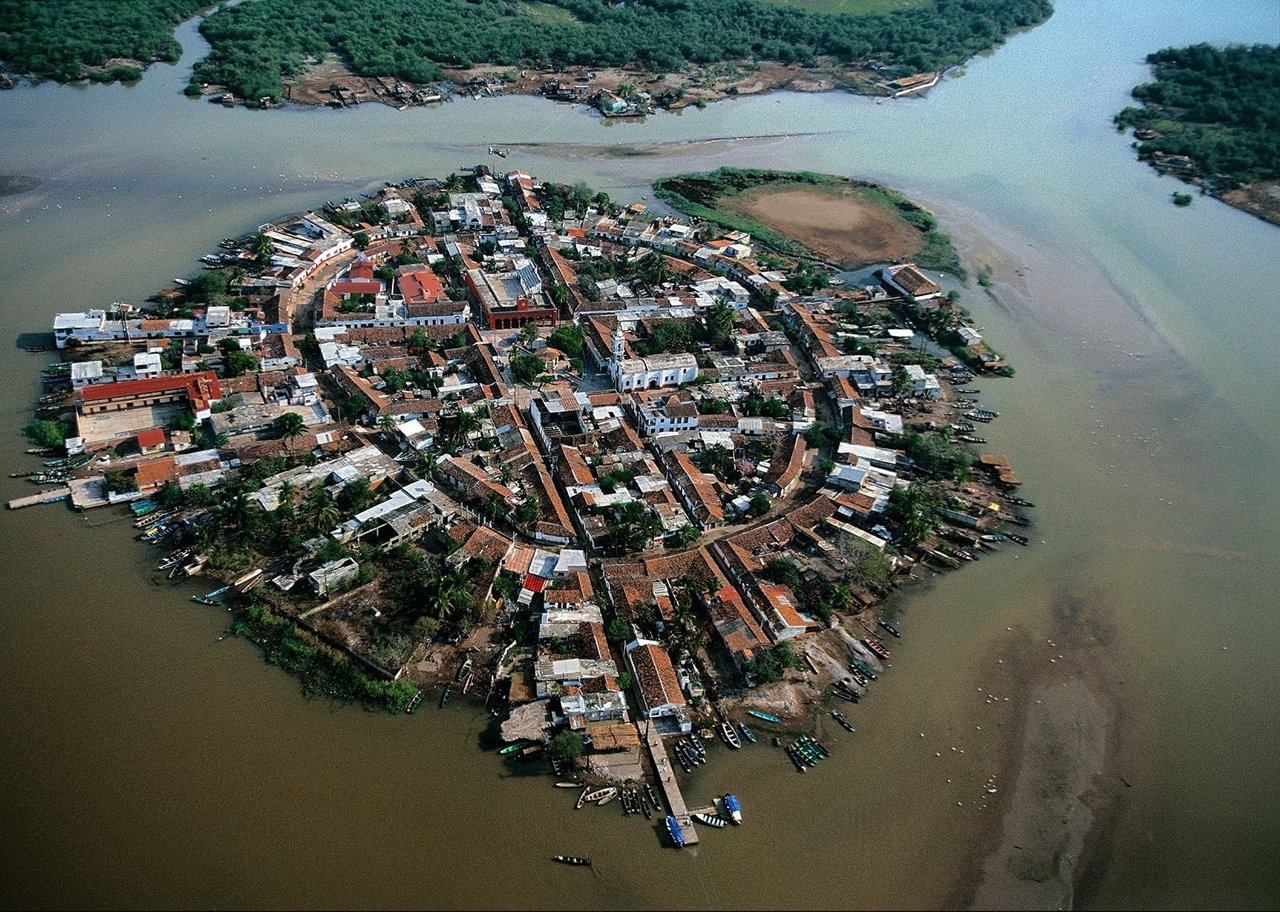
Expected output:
{"points": [[1219, 107], [258, 42], [59, 40]]}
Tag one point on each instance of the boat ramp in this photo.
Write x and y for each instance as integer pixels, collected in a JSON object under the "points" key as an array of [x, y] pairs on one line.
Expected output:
{"points": [[667, 781]]}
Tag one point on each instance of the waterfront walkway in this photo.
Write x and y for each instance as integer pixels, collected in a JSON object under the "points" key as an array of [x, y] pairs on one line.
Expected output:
{"points": [[43, 497], [667, 780]]}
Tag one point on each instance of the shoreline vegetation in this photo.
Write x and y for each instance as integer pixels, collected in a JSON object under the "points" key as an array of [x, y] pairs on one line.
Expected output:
{"points": [[1211, 118], [466, 493], [664, 55]]}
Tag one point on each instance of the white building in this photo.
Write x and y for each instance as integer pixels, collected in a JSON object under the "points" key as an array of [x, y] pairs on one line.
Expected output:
{"points": [[654, 372]]}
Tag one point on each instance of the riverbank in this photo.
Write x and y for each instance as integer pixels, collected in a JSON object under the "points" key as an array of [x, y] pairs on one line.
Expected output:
{"points": [[615, 91]]}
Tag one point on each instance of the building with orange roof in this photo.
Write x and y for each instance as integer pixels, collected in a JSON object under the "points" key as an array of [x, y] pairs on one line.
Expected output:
{"points": [[657, 685]]}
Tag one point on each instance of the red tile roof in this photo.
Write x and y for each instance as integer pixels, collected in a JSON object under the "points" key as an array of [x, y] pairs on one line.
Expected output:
{"points": [[201, 388], [151, 437], [419, 285]]}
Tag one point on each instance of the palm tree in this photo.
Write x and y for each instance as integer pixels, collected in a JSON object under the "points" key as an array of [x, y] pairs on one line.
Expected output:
{"points": [[263, 248], [290, 426], [388, 425], [428, 466]]}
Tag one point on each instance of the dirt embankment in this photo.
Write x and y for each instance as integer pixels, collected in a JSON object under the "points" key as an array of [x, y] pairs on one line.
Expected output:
{"points": [[1261, 198], [841, 225]]}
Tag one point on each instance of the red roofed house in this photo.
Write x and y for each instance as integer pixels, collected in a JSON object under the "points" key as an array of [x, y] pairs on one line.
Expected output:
{"points": [[357, 286], [419, 285], [656, 681], [151, 441], [152, 475]]}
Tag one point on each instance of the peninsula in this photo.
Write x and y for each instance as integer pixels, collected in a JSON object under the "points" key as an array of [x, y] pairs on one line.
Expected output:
{"points": [[623, 476], [1212, 119], [626, 58]]}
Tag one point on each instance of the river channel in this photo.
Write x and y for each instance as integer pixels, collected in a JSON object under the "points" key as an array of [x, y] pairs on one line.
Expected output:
{"points": [[151, 762]]}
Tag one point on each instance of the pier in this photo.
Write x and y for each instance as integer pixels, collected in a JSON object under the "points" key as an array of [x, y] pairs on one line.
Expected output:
{"points": [[667, 781], [44, 497]]}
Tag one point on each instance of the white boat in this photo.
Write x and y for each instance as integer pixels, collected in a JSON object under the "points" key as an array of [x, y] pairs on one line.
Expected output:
{"points": [[729, 735], [609, 795], [717, 822], [600, 794]]}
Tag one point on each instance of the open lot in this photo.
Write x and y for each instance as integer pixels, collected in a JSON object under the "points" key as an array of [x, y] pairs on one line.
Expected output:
{"points": [[840, 224]]}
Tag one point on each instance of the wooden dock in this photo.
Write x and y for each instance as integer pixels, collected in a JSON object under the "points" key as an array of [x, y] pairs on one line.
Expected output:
{"points": [[667, 782], [46, 497]]}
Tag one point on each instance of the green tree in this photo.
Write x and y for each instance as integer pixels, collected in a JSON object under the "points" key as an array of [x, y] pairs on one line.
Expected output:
{"points": [[720, 324], [46, 433], [290, 426], [361, 240], [566, 746], [526, 368], [618, 630], [263, 249]]}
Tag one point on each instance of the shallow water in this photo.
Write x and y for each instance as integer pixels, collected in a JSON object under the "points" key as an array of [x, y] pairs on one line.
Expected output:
{"points": [[151, 763]]}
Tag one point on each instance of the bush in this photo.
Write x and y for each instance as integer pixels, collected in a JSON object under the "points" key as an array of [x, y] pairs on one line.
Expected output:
{"points": [[45, 433]]}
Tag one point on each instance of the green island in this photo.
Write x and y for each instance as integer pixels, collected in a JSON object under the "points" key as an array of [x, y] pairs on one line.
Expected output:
{"points": [[621, 476], [1212, 118], [413, 51]]}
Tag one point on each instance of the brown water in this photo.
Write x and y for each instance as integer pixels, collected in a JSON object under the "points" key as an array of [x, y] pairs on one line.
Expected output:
{"points": [[150, 763]]}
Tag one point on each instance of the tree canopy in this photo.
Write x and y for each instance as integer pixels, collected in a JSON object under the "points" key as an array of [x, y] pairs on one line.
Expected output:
{"points": [[258, 43], [1218, 106]]}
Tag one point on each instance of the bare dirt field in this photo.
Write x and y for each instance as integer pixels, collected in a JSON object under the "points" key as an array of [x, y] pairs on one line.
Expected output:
{"points": [[842, 226]]}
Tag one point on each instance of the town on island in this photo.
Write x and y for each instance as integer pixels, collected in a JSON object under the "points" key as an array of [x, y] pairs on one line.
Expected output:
{"points": [[637, 481]]}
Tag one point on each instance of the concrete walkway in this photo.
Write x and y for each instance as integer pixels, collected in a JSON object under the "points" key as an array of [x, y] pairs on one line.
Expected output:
{"points": [[667, 780]]}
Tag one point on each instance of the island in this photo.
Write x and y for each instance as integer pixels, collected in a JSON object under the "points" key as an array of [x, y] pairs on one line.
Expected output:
{"points": [[632, 480], [625, 58], [1212, 119]]}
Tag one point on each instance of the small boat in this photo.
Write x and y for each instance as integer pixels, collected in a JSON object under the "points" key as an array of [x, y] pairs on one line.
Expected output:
{"points": [[673, 827], [814, 743], [414, 702], [580, 861], [730, 736], [969, 438], [150, 518], [462, 671], [652, 793], [1018, 501], [140, 507], [568, 785], [247, 581], [158, 532], [733, 807], [844, 723], [600, 794], [514, 747], [893, 631], [1018, 539], [863, 667], [211, 598], [845, 694], [877, 647], [609, 795], [444, 697], [796, 758], [747, 733], [767, 717], [174, 559], [582, 799], [717, 822], [994, 537]]}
